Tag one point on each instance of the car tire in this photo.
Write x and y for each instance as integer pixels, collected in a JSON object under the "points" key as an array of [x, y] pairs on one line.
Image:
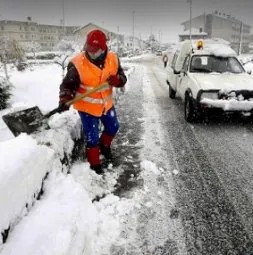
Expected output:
{"points": [[172, 92], [190, 111]]}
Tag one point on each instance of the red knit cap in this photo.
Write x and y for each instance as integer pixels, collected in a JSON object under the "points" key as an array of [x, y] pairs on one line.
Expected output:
{"points": [[96, 40]]}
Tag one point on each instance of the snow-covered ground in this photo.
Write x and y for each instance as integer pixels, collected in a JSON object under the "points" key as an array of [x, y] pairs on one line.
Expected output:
{"points": [[44, 209]]}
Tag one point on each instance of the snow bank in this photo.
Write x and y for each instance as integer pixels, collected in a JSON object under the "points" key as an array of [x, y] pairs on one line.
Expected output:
{"points": [[63, 222], [25, 161], [23, 165]]}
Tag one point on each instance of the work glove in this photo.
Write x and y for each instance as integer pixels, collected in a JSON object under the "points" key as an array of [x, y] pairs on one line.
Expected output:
{"points": [[65, 96], [114, 81]]}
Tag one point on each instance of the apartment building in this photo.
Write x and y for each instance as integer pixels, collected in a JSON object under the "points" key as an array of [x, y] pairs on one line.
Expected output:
{"points": [[223, 26], [28, 32], [195, 34]]}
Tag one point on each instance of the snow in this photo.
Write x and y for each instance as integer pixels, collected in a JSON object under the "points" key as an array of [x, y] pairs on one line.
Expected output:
{"points": [[17, 164], [230, 105], [64, 220], [77, 212]]}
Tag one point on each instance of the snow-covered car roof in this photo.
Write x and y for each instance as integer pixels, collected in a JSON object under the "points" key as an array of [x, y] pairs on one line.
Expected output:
{"points": [[215, 46]]}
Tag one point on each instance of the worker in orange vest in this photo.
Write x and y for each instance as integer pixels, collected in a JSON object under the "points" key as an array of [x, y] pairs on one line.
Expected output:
{"points": [[92, 67]]}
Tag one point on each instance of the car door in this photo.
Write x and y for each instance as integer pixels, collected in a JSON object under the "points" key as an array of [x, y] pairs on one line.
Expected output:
{"points": [[172, 77], [183, 78]]}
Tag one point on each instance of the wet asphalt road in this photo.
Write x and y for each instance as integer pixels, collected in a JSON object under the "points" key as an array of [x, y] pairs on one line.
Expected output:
{"points": [[214, 188]]}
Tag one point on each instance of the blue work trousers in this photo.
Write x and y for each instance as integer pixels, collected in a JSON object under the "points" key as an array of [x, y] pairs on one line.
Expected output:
{"points": [[91, 126]]}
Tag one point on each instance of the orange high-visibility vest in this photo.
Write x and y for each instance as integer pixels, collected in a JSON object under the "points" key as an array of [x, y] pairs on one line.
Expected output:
{"points": [[92, 76]]}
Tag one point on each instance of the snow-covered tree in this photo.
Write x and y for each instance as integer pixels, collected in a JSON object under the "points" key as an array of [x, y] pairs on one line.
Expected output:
{"points": [[32, 47], [10, 51], [70, 44], [63, 60], [5, 92]]}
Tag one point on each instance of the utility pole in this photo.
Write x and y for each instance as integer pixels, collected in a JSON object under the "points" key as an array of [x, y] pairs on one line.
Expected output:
{"points": [[63, 18], [190, 2], [118, 39], [133, 30], [241, 39]]}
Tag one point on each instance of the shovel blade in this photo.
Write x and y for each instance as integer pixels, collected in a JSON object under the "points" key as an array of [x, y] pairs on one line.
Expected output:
{"points": [[25, 121]]}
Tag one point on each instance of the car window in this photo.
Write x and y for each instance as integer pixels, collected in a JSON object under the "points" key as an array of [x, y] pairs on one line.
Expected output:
{"points": [[210, 63]]}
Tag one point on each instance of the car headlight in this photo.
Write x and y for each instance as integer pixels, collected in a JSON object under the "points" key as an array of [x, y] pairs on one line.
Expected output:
{"points": [[209, 95]]}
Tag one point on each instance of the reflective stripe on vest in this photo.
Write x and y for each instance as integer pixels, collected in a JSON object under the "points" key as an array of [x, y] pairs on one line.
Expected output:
{"points": [[95, 100], [87, 88], [91, 77]]}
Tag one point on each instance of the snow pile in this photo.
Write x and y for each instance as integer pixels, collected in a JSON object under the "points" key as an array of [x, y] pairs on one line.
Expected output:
{"points": [[217, 47], [220, 50], [63, 222], [23, 165]]}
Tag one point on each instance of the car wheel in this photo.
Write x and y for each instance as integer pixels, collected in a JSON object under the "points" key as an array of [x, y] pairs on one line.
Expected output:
{"points": [[172, 92], [190, 112]]}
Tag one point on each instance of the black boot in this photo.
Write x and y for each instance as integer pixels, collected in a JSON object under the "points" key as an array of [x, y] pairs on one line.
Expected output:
{"points": [[106, 152], [97, 168]]}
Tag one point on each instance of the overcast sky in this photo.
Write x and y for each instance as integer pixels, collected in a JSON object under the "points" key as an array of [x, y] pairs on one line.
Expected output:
{"points": [[157, 16]]}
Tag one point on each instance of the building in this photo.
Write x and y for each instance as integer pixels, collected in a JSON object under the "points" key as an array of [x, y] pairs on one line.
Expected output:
{"points": [[116, 41], [222, 26], [195, 34], [28, 32], [83, 31]]}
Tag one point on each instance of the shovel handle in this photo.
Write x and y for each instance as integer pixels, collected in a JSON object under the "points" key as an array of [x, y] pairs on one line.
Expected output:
{"points": [[81, 96], [61, 107]]}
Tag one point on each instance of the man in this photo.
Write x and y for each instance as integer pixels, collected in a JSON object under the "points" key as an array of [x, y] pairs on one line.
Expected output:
{"points": [[87, 70], [165, 60]]}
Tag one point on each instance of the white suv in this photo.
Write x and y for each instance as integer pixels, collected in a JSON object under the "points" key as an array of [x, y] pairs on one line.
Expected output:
{"points": [[209, 77]]}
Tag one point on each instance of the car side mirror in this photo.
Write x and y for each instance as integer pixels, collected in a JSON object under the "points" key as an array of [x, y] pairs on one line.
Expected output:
{"points": [[176, 72], [249, 72]]}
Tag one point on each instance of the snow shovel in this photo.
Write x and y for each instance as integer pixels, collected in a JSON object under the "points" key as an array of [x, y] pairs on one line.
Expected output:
{"points": [[31, 119]]}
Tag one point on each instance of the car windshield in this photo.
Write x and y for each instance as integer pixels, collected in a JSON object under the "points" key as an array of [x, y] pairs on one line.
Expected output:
{"points": [[208, 64]]}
